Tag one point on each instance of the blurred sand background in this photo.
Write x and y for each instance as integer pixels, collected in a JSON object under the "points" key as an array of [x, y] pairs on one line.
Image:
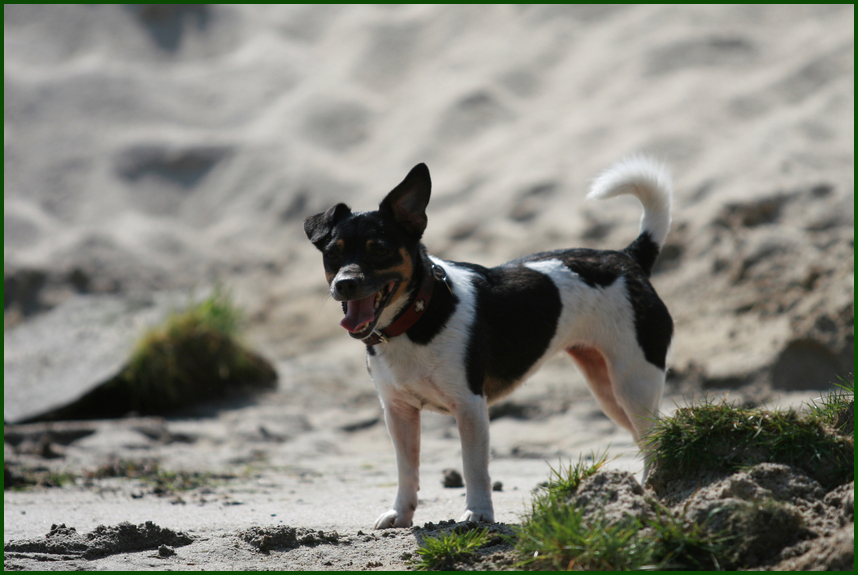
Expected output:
{"points": [[151, 151]]}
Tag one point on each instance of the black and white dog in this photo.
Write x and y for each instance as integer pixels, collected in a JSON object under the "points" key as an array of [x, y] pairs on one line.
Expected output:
{"points": [[454, 337]]}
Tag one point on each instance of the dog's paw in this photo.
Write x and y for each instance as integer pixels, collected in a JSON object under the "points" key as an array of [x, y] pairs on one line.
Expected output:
{"points": [[392, 518], [486, 516]]}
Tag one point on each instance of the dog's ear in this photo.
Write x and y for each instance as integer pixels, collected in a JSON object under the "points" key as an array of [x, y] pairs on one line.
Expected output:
{"points": [[319, 227], [407, 202]]}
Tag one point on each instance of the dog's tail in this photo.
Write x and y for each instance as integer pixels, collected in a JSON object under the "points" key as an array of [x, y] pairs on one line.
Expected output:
{"points": [[649, 182]]}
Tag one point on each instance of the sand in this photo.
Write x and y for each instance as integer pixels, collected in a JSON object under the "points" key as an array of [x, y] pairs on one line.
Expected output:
{"points": [[158, 150]]}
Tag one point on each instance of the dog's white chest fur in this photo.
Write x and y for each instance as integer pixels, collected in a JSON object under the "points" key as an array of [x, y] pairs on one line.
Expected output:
{"points": [[430, 376]]}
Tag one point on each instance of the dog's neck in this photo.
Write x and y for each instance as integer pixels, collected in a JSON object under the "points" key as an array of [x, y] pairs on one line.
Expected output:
{"points": [[426, 275]]}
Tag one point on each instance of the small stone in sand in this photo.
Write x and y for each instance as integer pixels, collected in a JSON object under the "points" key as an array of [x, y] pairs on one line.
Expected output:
{"points": [[453, 478]]}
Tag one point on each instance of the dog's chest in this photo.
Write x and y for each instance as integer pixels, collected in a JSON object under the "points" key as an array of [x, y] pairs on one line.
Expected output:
{"points": [[421, 376], [430, 375]]}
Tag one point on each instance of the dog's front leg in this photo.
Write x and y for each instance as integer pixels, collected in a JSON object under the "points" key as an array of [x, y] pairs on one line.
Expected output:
{"points": [[403, 425], [472, 419]]}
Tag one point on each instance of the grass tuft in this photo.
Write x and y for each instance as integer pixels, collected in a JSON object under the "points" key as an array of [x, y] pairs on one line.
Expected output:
{"points": [[557, 535], [195, 355], [837, 408], [563, 482], [442, 553], [682, 544], [723, 437]]}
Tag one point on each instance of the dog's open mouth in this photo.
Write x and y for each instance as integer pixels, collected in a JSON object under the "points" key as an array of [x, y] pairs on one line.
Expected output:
{"points": [[362, 314]]}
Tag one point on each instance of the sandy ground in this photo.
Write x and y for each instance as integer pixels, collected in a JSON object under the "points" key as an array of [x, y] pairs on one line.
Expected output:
{"points": [[156, 150]]}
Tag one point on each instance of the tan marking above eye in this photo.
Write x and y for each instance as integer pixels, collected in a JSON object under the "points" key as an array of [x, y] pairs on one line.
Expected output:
{"points": [[405, 270], [336, 250], [373, 246]]}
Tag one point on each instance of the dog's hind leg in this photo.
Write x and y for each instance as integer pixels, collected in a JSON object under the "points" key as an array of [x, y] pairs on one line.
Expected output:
{"points": [[638, 389], [629, 395], [403, 425], [595, 369]]}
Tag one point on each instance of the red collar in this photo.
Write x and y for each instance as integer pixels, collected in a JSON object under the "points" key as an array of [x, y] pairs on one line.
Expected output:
{"points": [[414, 311]]}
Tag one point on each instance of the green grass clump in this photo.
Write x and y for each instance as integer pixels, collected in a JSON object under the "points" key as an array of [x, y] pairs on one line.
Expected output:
{"points": [[217, 312], [563, 482], [194, 356], [553, 532], [837, 408], [723, 437], [684, 545], [442, 553], [560, 537], [557, 535]]}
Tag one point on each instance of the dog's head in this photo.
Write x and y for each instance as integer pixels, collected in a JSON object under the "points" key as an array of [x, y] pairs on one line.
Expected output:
{"points": [[369, 256]]}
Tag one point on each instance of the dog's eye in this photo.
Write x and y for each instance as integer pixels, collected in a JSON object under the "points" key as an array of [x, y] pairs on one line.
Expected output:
{"points": [[379, 250], [332, 255]]}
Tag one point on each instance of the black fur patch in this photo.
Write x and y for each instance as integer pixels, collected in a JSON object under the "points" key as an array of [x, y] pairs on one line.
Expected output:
{"points": [[597, 268], [653, 324], [441, 307], [516, 318], [644, 251]]}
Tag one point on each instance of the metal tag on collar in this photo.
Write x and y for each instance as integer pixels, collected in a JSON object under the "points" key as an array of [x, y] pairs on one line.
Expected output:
{"points": [[439, 274], [379, 335]]}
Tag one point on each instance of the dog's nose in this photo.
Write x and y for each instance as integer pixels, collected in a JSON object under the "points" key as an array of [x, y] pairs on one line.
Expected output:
{"points": [[346, 288]]}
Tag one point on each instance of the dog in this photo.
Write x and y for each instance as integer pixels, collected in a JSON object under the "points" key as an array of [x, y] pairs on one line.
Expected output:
{"points": [[455, 337]]}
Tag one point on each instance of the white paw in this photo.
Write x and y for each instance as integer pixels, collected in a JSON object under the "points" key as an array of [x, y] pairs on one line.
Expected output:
{"points": [[486, 516], [392, 518]]}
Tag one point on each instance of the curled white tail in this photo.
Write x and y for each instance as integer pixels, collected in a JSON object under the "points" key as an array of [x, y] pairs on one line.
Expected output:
{"points": [[648, 181]]}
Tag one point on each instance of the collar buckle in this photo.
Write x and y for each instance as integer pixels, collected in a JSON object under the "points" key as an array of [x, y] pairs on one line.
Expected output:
{"points": [[440, 274], [377, 337]]}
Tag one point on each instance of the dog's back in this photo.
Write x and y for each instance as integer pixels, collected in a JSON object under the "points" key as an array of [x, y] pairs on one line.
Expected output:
{"points": [[532, 307]]}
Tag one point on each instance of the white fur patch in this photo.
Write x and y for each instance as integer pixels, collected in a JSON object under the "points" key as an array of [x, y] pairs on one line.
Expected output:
{"points": [[600, 317], [431, 376], [648, 181]]}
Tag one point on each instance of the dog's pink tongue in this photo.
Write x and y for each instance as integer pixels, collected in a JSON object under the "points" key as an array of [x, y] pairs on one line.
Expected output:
{"points": [[358, 313]]}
